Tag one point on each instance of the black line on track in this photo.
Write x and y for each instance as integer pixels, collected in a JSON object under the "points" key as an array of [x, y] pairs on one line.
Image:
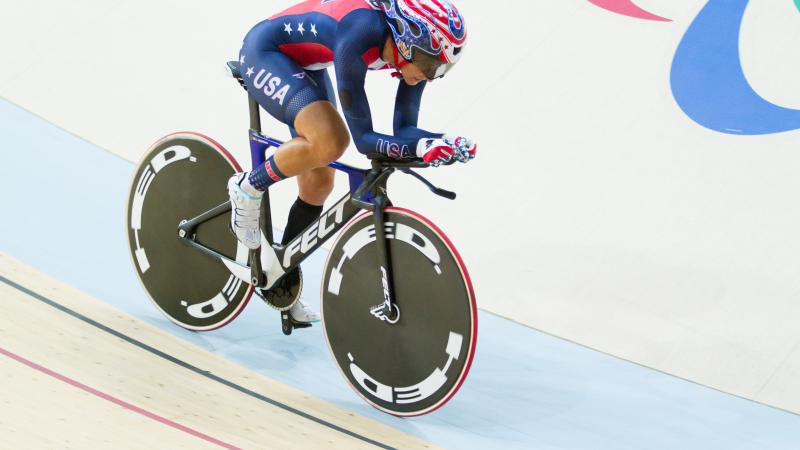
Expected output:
{"points": [[190, 367]]}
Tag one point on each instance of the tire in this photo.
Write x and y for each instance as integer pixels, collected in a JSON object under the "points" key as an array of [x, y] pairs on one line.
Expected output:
{"points": [[414, 366], [181, 176]]}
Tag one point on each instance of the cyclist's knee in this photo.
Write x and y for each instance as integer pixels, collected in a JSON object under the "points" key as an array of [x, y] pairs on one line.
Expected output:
{"points": [[325, 130], [331, 141]]}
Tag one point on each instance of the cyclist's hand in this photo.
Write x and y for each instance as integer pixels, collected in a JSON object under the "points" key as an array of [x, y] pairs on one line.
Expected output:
{"points": [[434, 151], [464, 148]]}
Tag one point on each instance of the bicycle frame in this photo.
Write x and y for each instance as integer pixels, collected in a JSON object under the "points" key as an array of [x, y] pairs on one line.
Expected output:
{"points": [[278, 259], [367, 192]]}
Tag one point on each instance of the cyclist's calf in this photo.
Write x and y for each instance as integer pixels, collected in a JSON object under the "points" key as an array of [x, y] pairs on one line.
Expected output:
{"points": [[316, 185]]}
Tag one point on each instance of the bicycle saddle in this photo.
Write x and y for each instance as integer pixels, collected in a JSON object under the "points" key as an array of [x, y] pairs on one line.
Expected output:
{"points": [[235, 72]]}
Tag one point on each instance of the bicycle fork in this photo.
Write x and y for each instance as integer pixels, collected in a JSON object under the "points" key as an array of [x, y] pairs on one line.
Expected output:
{"points": [[387, 311]]}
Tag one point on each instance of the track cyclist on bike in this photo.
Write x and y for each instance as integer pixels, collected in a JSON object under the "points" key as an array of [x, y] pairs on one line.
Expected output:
{"points": [[283, 63]]}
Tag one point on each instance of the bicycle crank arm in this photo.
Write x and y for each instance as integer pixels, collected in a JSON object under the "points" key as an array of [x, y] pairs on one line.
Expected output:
{"points": [[257, 277]]}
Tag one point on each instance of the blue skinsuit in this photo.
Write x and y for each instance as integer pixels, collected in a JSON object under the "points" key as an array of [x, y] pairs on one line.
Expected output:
{"points": [[284, 60]]}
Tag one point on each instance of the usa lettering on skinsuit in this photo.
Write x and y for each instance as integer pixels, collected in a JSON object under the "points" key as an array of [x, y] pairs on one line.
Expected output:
{"points": [[265, 80], [392, 149]]}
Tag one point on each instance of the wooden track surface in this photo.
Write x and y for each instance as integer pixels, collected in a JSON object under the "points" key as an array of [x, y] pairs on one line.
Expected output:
{"points": [[77, 373]]}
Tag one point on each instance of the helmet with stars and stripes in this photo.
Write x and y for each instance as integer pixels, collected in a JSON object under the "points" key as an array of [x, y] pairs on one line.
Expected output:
{"points": [[429, 33]]}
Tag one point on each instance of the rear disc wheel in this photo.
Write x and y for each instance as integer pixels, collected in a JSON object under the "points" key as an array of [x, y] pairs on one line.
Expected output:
{"points": [[180, 177]]}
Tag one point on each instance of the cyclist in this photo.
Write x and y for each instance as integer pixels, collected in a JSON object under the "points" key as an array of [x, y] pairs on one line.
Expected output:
{"points": [[283, 62]]}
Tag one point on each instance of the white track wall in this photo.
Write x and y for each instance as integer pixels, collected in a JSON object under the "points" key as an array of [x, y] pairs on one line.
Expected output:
{"points": [[597, 210]]}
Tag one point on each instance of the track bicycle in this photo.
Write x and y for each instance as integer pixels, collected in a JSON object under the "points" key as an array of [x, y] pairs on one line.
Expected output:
{"points": [[398, 308]]}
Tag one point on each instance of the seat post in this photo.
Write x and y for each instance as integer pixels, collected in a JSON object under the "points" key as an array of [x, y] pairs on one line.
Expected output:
{"points": [[255, 114]]}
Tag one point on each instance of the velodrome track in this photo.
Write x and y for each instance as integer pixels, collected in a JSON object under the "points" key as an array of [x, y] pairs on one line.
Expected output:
{"points": [[635, 192], [88, 362]]}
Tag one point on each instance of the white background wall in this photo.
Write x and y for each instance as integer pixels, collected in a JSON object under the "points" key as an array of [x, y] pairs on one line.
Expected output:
{"points": [[596, 210]]}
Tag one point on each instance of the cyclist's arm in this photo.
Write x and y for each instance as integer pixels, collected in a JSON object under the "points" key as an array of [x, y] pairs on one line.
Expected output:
{"points": [[406, 112], [355, 107], [351, 71]]}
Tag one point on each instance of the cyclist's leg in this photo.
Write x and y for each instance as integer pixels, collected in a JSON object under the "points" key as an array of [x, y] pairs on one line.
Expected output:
{"points": [[319, 136], [292, 96], [315, 185], [323, 138]]}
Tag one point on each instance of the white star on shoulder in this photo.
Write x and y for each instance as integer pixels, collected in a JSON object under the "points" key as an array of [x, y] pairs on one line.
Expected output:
{"points": [[314, 29], [287, 27], [241, 60], [249, 71], [300, 28]]}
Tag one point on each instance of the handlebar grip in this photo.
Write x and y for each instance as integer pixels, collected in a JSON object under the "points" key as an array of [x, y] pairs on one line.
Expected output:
{"points": [[444, 193]]}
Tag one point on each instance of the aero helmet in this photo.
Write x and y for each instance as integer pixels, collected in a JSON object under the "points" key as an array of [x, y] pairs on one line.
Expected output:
{"points": [[426, 31]]}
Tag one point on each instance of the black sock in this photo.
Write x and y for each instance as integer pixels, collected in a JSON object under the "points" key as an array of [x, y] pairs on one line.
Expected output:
{"points": [[301, 215]]}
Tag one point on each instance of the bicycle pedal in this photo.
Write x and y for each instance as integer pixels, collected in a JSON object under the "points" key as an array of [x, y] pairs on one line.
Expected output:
{"points": [[288, 324]]}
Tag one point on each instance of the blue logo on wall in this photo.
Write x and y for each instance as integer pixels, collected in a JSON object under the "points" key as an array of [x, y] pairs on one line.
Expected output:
{"points": [[708, 81]]}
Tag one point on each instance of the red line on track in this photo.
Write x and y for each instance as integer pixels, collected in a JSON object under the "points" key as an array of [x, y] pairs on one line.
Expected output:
{"points": [[117, 401]]}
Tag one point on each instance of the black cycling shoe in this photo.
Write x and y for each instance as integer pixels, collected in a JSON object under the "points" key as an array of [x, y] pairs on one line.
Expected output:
{"points": [[285, 293]]}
